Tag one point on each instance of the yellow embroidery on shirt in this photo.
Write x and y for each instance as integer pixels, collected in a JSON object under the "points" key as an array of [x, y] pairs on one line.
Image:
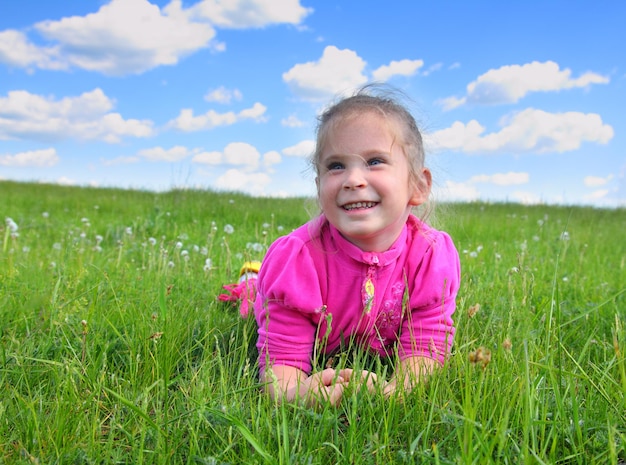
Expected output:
{"points": [[369, 295]]}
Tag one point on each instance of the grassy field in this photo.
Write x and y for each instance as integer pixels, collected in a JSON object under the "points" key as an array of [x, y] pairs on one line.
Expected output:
{"points": [[115, 349]]}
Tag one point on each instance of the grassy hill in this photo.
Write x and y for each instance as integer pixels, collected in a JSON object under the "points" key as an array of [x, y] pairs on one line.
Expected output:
{"points": [[114, 348]]}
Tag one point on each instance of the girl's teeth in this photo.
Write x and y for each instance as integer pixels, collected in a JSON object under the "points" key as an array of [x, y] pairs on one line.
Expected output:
{"points": [[353, 206]]}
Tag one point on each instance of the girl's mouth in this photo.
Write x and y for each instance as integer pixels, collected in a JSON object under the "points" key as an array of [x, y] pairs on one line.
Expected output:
{"points": [[359, 205]]}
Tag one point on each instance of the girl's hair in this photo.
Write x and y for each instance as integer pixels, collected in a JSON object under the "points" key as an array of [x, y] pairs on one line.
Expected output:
{"points": [[385, 101]]}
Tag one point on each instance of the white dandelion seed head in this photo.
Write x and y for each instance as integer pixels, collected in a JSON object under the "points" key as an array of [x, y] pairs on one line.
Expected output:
{"points": [[179, 245], [152, 241], [12, 225], [45, 214], [171, 264], [129, 231], [228, 229], [565, 236]]}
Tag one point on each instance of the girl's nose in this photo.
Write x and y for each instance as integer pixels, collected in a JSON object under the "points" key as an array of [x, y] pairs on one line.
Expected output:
{"points": [[355, 178]]}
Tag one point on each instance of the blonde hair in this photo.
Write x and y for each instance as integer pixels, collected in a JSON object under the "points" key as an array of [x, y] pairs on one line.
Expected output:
{"points": [[385, 101]]}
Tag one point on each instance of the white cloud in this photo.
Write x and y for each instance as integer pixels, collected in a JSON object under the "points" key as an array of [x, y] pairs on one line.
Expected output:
{"points": [[122, 37], [509, 84], [33, 158], [240, 14], [223, 95], [529, 130], [187, 122], [337, 71], [176, 153], [29, 116], [292, 121], [271, 158], [301, 149], [502, 179], [235, 153], [397, 68], [208, 158], [526, 198], [236, 180], [597, 195], [456, 192], [65, 181], [16, 50], [597, 181]]}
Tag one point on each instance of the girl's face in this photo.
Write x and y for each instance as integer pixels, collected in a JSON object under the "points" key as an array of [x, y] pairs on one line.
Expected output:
{"points": [[363, 184]]}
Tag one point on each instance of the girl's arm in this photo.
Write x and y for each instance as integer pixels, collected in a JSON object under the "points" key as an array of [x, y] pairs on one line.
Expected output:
{"points": [[409, 372]]}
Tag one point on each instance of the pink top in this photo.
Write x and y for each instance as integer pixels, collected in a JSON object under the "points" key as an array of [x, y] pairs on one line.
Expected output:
{"points": [[314, 274]]}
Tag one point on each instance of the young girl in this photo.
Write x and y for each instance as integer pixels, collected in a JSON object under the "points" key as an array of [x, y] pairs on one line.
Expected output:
{"points": [[367, 271]]}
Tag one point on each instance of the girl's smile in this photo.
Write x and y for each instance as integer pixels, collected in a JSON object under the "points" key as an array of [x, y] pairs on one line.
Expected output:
{"points": [[364, 187]]}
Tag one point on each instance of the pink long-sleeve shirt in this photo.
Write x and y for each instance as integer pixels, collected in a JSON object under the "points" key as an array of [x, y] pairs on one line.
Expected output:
{"points": [[316, 287]]}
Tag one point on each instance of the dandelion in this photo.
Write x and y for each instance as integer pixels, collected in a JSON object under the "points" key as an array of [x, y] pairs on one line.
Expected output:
{"points": [[99, 239], [179, 245], [185, 255], [265, 226], [171, 264], [208, 264], [45, 214], [56, 246], [473, 310], [473, 254], [498, 256], [231, 201], [129, 231], [280, 228], [255, 246], [11, 225], [204, 251], [196, 248], [152, 241], [228, 229], [479, 248], [25, 249], [515, 270], [536, 238], [565, 236], [540, 222]]}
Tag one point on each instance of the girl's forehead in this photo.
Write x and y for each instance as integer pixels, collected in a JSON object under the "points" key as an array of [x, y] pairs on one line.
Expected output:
{"points": [[365, 130]]}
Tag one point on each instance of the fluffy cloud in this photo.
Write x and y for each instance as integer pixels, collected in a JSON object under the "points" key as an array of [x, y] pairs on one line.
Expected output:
{"points": [[187, 122], [239, 14], [336, 72], [16, 50], [397, 68], [236, 180], [453, 191], [509, 84], [301, 149], [597, 181], [235, 153], [127, 37], [502, 179], [530, 130], [176, 153], [35, 158], [223, 95], [132, 36], [29, 116]]}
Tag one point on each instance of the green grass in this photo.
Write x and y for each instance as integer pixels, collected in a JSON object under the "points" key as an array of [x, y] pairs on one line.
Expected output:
{"points": [[115, 350]]}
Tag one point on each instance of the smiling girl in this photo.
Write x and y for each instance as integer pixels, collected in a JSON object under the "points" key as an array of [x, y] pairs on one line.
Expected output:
{"points": [[366, 270]]}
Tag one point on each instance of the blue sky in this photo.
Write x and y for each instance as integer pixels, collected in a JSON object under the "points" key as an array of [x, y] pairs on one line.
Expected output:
{"points": [[518, 101]]}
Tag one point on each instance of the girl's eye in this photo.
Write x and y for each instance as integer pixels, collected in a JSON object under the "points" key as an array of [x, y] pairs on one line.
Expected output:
{"points": [[375, 161], [334, 166]]}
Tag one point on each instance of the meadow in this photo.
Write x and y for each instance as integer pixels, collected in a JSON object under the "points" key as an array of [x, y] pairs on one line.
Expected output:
{"points": [[114, 348]]}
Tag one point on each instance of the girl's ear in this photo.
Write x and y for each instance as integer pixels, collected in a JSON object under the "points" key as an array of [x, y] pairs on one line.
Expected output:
{"points": [[421, 191]]}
